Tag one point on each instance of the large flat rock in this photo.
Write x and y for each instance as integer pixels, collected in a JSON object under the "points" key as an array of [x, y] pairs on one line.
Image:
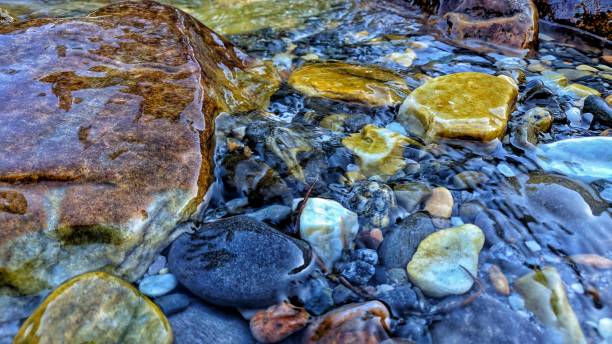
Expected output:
{"points": [[106, 136]]}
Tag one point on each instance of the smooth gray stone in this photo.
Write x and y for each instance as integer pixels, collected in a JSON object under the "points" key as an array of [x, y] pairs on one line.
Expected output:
{"points": [[239, 262], [401, 241], [204, 324]]}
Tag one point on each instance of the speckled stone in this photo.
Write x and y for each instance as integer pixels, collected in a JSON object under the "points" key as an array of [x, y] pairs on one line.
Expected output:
{"points": [[468, 105], [96, 308]]}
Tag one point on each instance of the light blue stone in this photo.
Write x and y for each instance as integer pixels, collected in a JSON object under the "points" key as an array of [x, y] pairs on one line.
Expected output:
{"points": [[607, 194], [505, 170], [157, 285], [586, 158]]}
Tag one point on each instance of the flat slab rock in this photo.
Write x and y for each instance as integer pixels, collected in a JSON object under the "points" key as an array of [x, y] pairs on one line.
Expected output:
{"points": [[106, 136]]}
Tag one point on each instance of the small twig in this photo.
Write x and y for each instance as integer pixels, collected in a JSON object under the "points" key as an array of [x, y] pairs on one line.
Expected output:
{"points": [[302, 204]]}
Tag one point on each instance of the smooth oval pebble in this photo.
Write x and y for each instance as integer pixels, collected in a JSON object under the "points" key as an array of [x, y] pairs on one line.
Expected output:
{"points": [[157, 285], [99, 308], [239, 262]]}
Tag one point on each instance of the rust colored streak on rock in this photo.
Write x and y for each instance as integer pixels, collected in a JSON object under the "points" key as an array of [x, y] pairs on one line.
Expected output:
{"points": [[112, 110]]}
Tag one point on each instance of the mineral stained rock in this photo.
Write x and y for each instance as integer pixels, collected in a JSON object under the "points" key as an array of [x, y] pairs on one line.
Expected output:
{"points": [[106, 136]]}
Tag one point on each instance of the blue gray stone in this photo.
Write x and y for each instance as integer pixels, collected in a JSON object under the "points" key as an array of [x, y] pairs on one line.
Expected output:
{"points": [[401, 240], [239, 262], [201, 323], [157, 285], [173, 303]]}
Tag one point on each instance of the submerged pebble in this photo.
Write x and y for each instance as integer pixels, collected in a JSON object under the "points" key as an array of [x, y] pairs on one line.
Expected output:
{"points": [[328, 227], [437, 266], [157, 285]]}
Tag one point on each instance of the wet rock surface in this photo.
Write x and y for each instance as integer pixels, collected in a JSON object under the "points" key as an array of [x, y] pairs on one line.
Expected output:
{"points": [[503, 325], [239, 262], [202, 323], [589, 15], [347, 82], [117, 313], [460, 106], [268, 160], [106, 137], [513, 24]]}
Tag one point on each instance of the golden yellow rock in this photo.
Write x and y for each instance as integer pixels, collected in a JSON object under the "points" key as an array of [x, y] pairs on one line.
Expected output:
{"points": [[379, 151], [581, 90], [469, 105], [609, 99], [351, 83], [558, 78], [99, 308]]}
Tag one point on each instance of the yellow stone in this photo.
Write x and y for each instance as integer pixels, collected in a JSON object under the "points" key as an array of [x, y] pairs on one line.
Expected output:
{"points": [[333, 122], [609, 99], [545, 296], [351, 83], [403, 59], [99, 308], [582, 91], [473, 106], [379, 151], [558, 78]]}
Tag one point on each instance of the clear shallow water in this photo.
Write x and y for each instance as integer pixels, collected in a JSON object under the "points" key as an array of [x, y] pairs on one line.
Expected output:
{"points": [[531, 218]]}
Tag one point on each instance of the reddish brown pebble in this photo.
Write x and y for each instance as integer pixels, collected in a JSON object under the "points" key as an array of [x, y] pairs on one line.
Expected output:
{"points": [[499, 280], [371, 238], [278, 322], [360, 323], [607, 59], [592, 260]]}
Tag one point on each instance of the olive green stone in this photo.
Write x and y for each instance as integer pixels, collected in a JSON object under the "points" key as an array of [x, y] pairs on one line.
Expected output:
{"points": [[96, 308], [473, 106], [351, 83], [545, 296]]}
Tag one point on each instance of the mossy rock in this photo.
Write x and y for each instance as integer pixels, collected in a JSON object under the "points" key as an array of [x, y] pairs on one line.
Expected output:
{"points": [[96, 308]]}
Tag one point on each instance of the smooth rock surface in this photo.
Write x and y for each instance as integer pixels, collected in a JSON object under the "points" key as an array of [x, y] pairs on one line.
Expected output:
{"points": [[599, 108], [487, 320], [440, 203], [350, 83], [239, 262], [328, 227], [379, 151], [585, 158], [469, 105], [402, 240], [436, 266], [157, 285], [278, 322], [512, 24], [359, 323], [96, 308], [545, 296], [201, 323], [106, 131]]}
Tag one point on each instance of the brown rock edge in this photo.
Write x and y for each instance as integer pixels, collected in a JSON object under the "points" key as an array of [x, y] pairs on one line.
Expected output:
{"points": [[106, 126]]}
